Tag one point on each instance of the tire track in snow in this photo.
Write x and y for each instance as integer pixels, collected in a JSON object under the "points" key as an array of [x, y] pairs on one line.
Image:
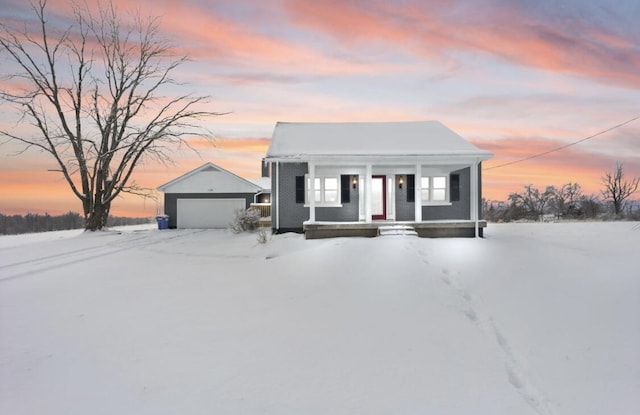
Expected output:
{"points": [[41, 264], [516, 375], [50, 257]]}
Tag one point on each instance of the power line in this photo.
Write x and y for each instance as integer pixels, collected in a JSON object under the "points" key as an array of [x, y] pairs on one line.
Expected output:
{"points": [[566, 145]]}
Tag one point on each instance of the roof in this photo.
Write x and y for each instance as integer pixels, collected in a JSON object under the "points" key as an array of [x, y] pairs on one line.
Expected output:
{"points": [[210, 178], [300, 141], [263, 182]]}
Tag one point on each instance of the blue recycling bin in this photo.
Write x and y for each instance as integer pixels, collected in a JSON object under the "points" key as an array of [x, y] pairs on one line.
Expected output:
{"points": [[163, 221]]}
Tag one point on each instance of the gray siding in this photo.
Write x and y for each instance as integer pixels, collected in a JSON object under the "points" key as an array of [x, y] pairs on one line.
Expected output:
{"points": [[458, 210], [292, 214], [171, 201], [405, 211], [480, 192], [349, 212]]}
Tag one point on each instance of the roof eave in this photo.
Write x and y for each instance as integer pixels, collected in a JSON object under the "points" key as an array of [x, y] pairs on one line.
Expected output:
{"points": [[394, 158]]}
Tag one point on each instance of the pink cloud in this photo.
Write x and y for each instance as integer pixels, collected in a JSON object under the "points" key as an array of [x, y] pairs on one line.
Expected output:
{"points": [[506, 31], [573, 164]]}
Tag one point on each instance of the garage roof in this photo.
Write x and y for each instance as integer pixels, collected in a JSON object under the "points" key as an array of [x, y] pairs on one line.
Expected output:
{"points": [[210, 178]]}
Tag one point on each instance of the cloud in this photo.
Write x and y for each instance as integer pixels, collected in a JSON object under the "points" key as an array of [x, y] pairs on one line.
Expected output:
{"points": [[574, 164], [249, 145], [508, 31]]}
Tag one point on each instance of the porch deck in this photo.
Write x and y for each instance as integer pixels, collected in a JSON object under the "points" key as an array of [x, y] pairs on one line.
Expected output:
{"points": [[428, 229]]}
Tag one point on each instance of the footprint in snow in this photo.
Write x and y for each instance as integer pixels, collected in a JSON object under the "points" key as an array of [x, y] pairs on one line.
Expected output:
{"points": [[502, 341], [423, 254], [513, 377], [471, 314]]}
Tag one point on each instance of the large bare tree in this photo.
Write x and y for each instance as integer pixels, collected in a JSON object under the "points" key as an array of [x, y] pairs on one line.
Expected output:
{"points": [[618, 189], [93, 96]]}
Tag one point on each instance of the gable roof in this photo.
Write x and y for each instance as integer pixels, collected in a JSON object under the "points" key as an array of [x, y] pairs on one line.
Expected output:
{"points": [[304, 141], [209, 178]]}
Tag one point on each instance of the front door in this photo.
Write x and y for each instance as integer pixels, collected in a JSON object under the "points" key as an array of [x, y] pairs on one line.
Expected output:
{"points": [[379, 198]]}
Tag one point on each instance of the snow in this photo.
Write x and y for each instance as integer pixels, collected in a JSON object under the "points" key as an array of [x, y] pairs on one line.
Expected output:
{"points": [[210, 178], [417, 138], [532, 319]]}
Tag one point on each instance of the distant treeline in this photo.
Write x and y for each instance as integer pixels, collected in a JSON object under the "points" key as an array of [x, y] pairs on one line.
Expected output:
{"points": [[33, 222], [555, 203]]}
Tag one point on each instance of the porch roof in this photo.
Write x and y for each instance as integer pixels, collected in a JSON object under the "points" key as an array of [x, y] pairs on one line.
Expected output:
{"points": [[316, 141]]}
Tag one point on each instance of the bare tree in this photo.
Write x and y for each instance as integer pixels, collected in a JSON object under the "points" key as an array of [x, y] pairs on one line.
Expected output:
{"points": [[92, 94], [617, 189], [565, 200], [532, 201]]}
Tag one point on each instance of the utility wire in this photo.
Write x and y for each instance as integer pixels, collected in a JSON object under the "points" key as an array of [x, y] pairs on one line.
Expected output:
{"points": [[566, 145]]}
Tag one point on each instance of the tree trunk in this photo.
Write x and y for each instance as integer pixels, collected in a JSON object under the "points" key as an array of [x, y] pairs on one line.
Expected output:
{"points": [[96, 218]]}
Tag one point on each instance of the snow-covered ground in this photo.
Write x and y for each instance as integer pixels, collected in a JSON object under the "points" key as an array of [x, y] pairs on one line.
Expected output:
{"points": [[533, 319]]}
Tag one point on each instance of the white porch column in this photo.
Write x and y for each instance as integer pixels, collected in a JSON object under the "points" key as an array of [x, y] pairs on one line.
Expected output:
{"points": [[367, 193], [277, 197], [474, 195], [312, 192], [418, 193]]}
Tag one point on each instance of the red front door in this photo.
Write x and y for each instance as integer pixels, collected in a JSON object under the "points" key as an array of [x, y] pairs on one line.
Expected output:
{"points": [[379, 197]]}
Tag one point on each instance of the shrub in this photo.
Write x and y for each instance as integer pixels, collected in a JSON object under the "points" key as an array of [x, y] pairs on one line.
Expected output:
{"points": [[245, 220], [262, 236]]}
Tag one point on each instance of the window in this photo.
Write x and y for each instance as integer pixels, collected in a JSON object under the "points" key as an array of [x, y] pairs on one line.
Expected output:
{"points": [[434, 189], [439, 191], [326, 190]]}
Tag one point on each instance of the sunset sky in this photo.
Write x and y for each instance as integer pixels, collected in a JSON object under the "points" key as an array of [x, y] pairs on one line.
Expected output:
{"points": [[514, 77]]}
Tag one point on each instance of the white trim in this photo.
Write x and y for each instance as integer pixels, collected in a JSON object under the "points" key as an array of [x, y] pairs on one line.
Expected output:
{"points": [[361, 205], [324, 205], [311, 189], [277, 210], [437, 204], [391, 197], [418, 193], [474, 195], [367, 193], [410, 159], [166, 187], [447, 189], [311, 192]]}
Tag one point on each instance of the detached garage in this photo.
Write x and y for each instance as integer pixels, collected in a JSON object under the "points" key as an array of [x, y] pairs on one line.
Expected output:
{"points": [[208, 197]]}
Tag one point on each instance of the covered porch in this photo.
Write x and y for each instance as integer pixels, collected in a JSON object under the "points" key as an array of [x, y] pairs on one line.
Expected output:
{"points": [[433, 198]]}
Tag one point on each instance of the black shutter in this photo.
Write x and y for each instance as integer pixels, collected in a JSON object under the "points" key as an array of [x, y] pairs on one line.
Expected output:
{"points": [[299, 189], [345, 190], [411, 188], [454, 187]]}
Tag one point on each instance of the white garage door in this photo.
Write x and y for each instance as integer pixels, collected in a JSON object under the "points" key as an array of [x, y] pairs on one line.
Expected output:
{"points": [[207, 213]]}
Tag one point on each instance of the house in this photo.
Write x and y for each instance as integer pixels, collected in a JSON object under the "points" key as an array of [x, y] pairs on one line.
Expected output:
{"points": [[208, 197], [341, 179]]}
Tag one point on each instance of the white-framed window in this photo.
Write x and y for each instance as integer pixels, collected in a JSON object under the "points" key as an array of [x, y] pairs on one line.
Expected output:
{"points": [[326, 190], [435, 189]]}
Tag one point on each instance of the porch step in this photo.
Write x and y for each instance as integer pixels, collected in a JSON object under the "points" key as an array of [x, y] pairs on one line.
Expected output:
{"points": [[397, 230]]}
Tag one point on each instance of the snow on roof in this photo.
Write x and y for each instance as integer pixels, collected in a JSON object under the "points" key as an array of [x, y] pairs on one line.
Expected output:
{"points": [[417, 138], [210, 178], [263, 182]]}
